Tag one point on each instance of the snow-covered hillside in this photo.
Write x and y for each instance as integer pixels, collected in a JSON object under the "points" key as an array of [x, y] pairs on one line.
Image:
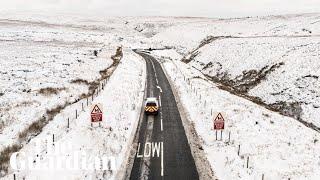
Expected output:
{"points": [[48, 64], [278, 147], [262, 72], [257, 71], [271, 60], [110, 140]]}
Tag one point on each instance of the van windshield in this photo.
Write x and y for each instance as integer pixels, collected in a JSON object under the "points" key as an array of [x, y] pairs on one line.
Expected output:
{"points": [[151, 104]]}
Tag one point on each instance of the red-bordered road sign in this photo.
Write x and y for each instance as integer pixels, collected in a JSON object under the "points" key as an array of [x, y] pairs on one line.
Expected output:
{"points": [[96, 113], [219, 122]]}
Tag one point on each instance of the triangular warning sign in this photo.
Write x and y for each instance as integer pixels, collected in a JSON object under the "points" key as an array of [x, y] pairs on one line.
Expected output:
{"points": [[96, 109], [219, 117], [219, 122]]}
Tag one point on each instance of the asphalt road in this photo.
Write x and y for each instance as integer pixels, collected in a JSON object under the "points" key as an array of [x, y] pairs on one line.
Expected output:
{"points": [[163, 151]]}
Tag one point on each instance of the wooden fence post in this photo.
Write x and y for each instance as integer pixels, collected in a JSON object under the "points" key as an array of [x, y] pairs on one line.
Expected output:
{"points": [[248, 162], [239, 150]]}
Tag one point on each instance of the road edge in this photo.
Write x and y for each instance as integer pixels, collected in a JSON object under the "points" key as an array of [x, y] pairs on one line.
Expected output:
{"points": [[127, 164]]}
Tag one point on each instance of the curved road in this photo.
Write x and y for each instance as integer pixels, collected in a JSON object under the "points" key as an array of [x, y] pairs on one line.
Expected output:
{"points": [[162, 150]]}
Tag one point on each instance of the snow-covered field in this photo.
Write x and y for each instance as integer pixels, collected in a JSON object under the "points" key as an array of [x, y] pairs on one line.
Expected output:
{"points": [[124, 91], [187, 36], [48, 60], [275, 59], [295, 79], [278, 147], [272, 60], [38, 67]]}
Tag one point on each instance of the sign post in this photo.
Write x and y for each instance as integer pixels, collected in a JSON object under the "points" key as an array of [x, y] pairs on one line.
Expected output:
{"points": [[96, 113], [218, 124]]}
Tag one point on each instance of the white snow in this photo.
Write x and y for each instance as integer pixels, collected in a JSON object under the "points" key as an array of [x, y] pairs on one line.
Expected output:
{"points": [[278, 147], [39, 51], [121, 101]]}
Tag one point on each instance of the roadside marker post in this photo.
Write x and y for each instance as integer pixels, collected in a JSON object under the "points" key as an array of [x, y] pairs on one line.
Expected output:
{"points": [[53, 139]]}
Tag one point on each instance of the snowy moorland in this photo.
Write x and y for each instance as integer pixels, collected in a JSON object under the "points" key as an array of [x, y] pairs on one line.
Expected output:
{"points": [[110, 140], [48, 65], [272, 60], [263, 75], [278, 147], [261, 72], [43, 68]]}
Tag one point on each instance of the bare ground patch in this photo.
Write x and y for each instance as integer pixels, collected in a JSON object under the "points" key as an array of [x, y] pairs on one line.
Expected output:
{"points": [[5, 157], [48, 91], [248, 80], [194, 53]]}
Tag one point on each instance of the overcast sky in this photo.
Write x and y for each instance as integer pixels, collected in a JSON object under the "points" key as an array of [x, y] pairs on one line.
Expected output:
{"points": [[206, 8]]}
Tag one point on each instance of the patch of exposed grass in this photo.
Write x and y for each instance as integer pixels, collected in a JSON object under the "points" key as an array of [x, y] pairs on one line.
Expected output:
{"points": [[36, 127], [247, 80], [50, 91], [119, 54], [80, 81], [194, 53], [5, 156]]}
